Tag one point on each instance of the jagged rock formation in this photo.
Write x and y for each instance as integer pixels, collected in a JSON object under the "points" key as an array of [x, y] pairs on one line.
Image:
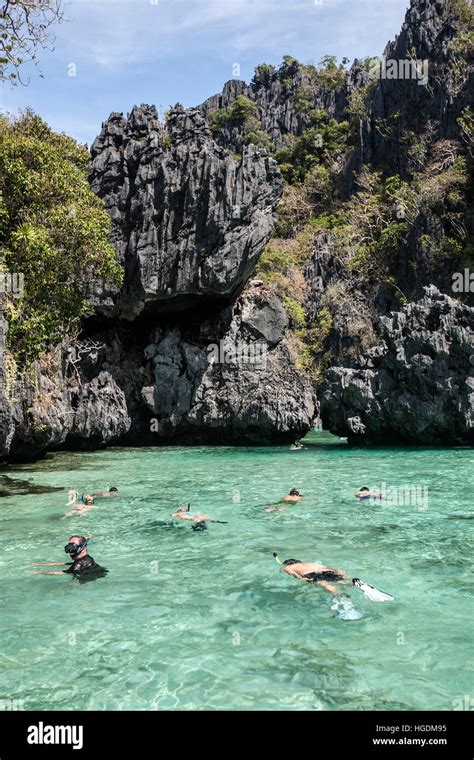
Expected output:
{"points": [[6, 425], [228, 378], [189, 222], [275, 94], [413, 98], [429, 99], [38, 408], [156, 363], [247, 399], [413, 125], [189, 219], [416, 385]]}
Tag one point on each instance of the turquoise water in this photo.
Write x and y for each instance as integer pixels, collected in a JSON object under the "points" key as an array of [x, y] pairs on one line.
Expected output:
{"points": [[205, 620]]}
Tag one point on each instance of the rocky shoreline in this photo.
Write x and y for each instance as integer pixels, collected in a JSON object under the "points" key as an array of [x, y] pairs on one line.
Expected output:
{"points": [[192, 349]]}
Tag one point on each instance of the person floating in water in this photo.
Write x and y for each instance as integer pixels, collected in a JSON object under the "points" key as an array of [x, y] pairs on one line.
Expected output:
{"points": [[297, 446], [81, 507], [314, 572], [366, 493], [293, 497], [198, 518], [83, 566], [110, 493]]}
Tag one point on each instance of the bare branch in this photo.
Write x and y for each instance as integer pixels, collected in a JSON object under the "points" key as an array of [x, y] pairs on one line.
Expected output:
{"points": [[26, 26]]}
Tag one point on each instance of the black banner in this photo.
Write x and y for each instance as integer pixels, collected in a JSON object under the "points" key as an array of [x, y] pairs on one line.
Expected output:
{"points": [[91, 734]]}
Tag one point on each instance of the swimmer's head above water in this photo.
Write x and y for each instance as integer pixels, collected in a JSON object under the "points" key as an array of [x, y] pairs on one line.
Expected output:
{"points": [[294, 492], [286, 561], [76, 547]]}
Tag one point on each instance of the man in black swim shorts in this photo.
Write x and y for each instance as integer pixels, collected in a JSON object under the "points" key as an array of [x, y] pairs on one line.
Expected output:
{"points": [[83, 566], [315, 572]]}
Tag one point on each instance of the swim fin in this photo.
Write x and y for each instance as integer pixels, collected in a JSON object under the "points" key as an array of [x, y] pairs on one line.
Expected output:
{"points": [[371, 592]]}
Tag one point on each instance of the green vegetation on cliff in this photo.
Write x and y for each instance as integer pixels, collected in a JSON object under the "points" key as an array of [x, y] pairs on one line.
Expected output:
{"points": [[321, 145], [241, 118], [421, 215], [53, 232]]}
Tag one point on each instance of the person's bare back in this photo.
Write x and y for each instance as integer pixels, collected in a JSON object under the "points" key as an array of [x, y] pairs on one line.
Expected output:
{"points": [[315, 572], [183, 514], [300, 569], [292, 498]]}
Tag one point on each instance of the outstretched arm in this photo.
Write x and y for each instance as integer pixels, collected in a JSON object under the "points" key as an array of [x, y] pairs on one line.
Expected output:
{"points": [[50, 564], [46, 572]]}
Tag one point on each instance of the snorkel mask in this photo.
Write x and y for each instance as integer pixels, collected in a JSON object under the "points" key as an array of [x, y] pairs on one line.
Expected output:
{"points": [[74, 549]]}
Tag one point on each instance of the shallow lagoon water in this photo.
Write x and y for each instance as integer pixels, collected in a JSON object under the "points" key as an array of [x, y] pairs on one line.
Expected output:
{"points": [[189, 620]]}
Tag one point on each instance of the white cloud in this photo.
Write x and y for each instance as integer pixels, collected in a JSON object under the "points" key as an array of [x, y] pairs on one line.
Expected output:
{"points": [[130, 51], [117, 33]]}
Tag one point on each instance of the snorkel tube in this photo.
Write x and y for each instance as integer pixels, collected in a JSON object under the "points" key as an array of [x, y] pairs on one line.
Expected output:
{"points": [[277, 558]]}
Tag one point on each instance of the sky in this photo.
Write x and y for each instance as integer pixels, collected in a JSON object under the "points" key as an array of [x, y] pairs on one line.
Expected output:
{"points": [[112, 54]]}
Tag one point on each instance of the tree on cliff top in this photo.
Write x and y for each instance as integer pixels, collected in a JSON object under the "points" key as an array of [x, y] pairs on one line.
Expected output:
{"points": [[26, 26], [53, 230]]}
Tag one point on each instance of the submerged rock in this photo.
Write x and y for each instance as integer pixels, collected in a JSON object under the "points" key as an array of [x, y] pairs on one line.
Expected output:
{"points": [[16, 487]]}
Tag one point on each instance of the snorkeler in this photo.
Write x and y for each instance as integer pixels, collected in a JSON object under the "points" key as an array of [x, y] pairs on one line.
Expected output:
{"points": [[107, 494], [81, 507], [293, 497], [83, 566], [313, 572], [366, 493], [198, 518]]}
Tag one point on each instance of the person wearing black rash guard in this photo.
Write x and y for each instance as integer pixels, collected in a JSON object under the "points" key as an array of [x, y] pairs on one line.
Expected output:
{"points": [[83, 566]]}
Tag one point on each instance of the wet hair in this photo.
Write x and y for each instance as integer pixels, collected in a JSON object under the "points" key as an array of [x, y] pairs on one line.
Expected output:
{"points": [[294, 492], [292, 562], [113, 490], [364, 488], [82, 539]]}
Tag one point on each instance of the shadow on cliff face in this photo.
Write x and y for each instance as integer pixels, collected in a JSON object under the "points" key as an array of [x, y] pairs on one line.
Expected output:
{"points": [[212, 375]]}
